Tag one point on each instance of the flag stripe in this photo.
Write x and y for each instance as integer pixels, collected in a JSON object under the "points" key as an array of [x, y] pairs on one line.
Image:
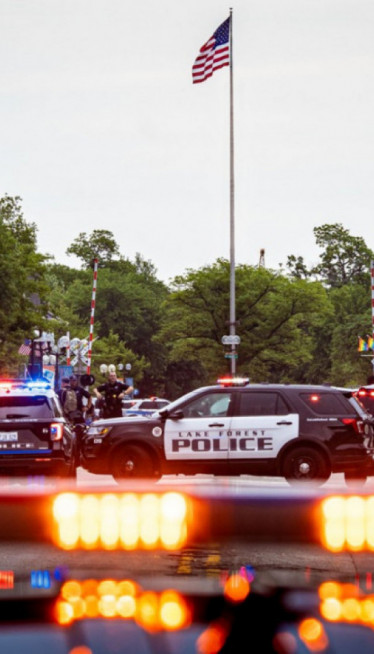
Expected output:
{"points": [[205, 69], [24, 349], [214, 54]]}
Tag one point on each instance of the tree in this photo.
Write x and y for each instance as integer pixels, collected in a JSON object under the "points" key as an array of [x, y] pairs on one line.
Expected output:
{"points": [[23, 288], [352, 317], [276, 315], [344, 258], [128, 303], [100, 244], [111, 350], [297, 267]]}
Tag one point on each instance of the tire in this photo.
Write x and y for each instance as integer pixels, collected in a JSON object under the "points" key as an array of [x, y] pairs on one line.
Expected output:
{"points": [[132, 462], [305, 465], [355, 479]]}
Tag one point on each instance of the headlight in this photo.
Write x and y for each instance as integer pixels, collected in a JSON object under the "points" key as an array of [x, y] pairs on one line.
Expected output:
{"points": [[98, 431]]}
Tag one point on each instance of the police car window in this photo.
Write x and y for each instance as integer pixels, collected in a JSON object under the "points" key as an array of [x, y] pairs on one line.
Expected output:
{"points": [[211, 404], [161, 403], [31, 407], [148, 404], [328, 404], [258, 403]]}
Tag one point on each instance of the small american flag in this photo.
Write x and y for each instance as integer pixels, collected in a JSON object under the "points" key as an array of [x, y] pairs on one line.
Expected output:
{"points": [[25, 348], [214, 54]]}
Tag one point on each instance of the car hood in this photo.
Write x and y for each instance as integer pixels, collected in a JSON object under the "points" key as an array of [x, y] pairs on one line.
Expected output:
{"points": [[125, 420]]}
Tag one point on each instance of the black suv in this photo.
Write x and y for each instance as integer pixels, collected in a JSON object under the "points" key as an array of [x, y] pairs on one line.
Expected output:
{"points": [[302, 433], [34, 436]]}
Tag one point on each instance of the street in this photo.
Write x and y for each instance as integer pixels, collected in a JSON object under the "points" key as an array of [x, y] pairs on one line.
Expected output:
{"points": [[281, 562]]}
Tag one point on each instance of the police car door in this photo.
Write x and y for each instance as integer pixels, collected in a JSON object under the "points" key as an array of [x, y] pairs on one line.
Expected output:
{"points": [[261, 426], [202, 433]]}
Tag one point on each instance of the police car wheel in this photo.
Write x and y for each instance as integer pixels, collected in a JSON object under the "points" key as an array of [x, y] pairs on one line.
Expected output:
{"points": [[132, 462], [355, 478], [305, 465]]}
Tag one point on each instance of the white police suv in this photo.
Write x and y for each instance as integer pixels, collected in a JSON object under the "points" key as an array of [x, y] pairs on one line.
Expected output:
{"points": [[143, 407], [34, 436], [300, 432]]}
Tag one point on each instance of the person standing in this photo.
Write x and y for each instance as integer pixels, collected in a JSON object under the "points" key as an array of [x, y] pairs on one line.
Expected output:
{"points": [[112, 393], [65, 382], [72, 401]]}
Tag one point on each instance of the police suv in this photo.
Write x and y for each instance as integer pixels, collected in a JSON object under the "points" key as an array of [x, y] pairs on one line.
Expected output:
{"points": [[34, 436], [303, 433]]}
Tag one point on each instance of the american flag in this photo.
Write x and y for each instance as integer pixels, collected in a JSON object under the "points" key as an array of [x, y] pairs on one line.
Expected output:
{"points": [[25, 348], [214, 54]]}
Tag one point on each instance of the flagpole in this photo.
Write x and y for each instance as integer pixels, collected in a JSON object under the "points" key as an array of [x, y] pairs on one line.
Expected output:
{"points": [[232, 207]]}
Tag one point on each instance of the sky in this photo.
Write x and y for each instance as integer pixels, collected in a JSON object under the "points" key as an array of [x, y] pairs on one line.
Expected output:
{"points": [[102, 128]]}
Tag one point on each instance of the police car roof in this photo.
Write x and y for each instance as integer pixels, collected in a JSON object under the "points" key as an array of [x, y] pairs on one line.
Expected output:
{"points": [[271, 385]]}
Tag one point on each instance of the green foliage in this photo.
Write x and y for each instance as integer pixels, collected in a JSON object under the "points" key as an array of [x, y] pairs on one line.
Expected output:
{"points": [[345, 259], [296, 327], [352, 318], [111, 350], [297, 267], [100, 244], [23, 288], [275, 314]]}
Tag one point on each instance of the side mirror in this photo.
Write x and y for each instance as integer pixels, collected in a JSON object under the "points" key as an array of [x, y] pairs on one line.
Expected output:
{"points": [[176, 415]]}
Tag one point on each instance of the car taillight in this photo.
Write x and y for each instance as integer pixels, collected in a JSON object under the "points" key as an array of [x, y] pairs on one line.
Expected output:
{"points": [[56, 431], [357, 425]]}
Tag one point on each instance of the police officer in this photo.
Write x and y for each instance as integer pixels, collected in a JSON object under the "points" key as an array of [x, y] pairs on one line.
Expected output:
{"points": [[113, 390], [75, 410], [65, 381]]}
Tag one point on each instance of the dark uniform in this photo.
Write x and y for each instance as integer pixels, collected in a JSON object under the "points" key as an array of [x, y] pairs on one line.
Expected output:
{"points": [[77, 414], [112, 405]]}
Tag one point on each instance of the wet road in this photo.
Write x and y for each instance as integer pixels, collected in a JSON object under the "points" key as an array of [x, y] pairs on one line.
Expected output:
{"points": [[284, 563]]}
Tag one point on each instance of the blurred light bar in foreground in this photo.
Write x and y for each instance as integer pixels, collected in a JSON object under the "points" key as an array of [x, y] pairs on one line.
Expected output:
{"points": [[108, 598], [147, 518], [348, 523], [343, 602], [120, 521]]}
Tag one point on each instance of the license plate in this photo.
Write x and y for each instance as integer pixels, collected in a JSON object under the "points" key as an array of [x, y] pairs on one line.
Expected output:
{"points": [[9, 437]]}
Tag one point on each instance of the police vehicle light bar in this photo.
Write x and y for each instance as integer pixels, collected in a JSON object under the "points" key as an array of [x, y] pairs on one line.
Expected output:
{"points": [[143, 518], [364, 392], [233, 381], [345, 602], [120, 521], [23, 384], [108, 598], [348, 523]]}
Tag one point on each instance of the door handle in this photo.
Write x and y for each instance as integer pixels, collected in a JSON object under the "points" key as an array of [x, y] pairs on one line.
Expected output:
{"points": [[284, 422], [217, 424]]}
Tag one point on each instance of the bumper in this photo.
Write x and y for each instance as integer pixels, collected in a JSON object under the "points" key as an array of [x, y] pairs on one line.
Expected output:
{"points": [[46, 465], [362, 462]]}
